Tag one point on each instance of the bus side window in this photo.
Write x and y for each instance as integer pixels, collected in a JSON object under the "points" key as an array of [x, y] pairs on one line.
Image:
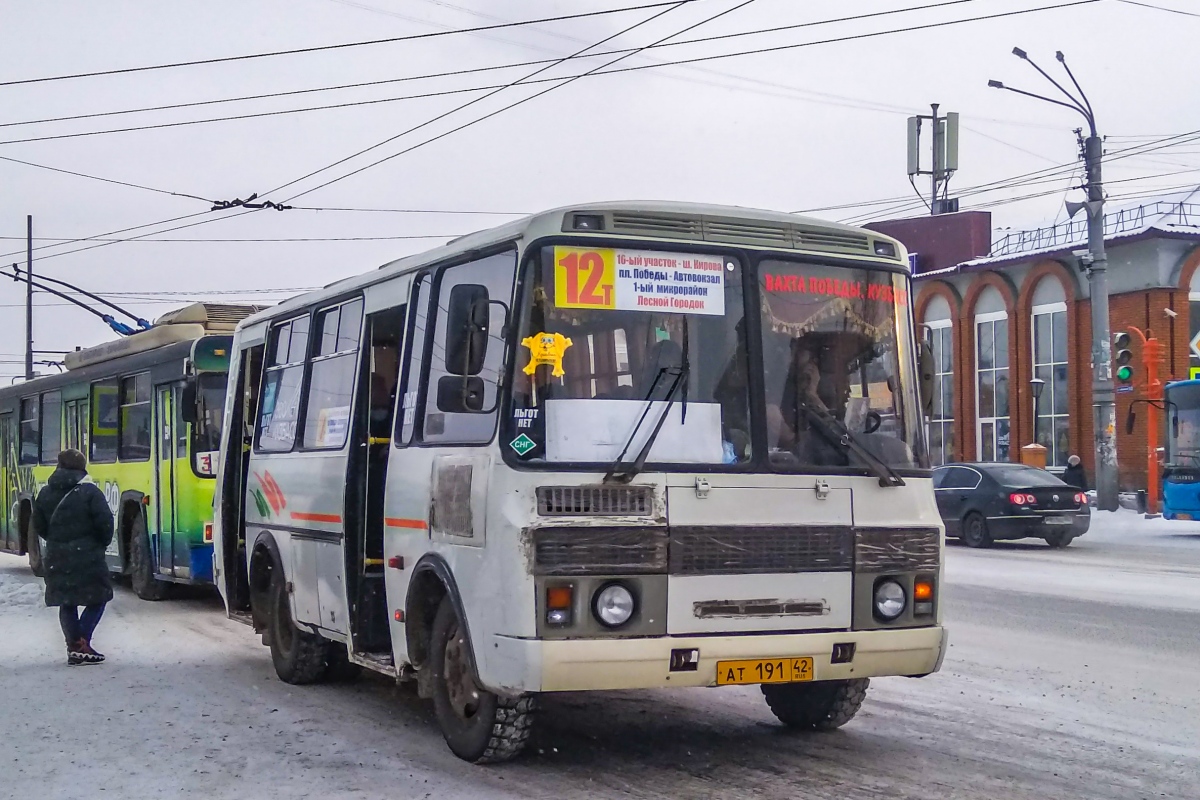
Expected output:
{"points": [[449, 359], [406, 420]]}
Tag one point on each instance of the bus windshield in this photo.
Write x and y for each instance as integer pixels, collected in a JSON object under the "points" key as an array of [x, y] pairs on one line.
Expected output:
{"points": [[210, 408], [600, 331], [834, 358], [1183, 434]]}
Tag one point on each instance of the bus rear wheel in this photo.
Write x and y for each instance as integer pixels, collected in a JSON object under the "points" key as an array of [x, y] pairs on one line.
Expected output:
{"points": [[478, 725], [141, 566], [820, 706], [299, 657]]}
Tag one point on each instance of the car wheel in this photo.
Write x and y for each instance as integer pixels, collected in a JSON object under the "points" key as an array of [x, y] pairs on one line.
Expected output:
{"points": [[975, 531], [1059, 539]]}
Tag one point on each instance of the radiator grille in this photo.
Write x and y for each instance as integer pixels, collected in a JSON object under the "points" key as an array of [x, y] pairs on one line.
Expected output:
{"points": [[743, 550], [595, 551], [897, 549], [558, 501], [680, 227], [807, 239]]}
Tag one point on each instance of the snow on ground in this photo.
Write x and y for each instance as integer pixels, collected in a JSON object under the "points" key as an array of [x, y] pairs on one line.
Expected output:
{"points": [[1059, 684]]}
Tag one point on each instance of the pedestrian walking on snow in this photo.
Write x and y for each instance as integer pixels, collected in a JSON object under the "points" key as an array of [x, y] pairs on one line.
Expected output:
{"points": [[1074, 475], [71, 514]]}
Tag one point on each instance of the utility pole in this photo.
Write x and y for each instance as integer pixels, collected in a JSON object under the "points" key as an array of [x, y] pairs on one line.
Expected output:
{"points": [[1095, 261], [945, 158], [29, 298]]}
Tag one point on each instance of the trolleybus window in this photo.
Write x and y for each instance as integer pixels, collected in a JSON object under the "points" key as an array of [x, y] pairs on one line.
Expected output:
{"points": [[30, 431], [105, 413], [134, 441], [51, 426], [280, 412], [833, 344], [75, 413], [468, 351], [602, 331], [331, 381], [210, 408]]}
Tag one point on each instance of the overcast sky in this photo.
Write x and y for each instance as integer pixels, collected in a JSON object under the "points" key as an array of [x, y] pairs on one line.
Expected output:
{"points": [[800, 128]]}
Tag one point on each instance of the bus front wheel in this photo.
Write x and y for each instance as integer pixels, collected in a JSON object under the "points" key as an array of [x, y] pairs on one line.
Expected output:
{"points": [[299, 657], [478, 725], [821, 706]]}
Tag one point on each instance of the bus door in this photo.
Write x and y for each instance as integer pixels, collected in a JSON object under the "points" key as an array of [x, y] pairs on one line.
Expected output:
{"points": [[366, 479], [10, 537], [166, 400]]}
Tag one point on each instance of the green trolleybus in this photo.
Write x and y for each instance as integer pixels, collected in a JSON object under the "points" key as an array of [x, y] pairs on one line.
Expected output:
{"points": [[612, 446], [146, 411]]}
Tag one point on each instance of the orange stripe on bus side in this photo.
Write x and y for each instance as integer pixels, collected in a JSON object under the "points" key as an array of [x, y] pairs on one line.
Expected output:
{"points": [[398, 522], [307, 517]]}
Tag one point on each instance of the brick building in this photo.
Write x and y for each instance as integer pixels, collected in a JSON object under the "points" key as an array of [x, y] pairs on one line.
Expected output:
{"points": [[1002, 311]]}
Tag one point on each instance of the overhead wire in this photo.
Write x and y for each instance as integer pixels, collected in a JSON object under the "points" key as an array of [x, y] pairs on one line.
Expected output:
{"points": [[550, 63], [105, 180], [340, 46]]}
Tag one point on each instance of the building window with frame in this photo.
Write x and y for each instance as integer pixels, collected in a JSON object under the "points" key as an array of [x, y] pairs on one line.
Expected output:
{"points": [[133, 443], [991, 382], [51, 427], [31, 431], [1049, 326], [941, 422], [279, 416]]}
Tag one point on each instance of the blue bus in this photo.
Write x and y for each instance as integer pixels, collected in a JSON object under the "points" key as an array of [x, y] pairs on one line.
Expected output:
{"points": [[1181, 454]]}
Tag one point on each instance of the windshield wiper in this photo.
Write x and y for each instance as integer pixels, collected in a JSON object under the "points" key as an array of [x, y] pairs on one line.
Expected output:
{"points": [[681, 380], [836, 432]]}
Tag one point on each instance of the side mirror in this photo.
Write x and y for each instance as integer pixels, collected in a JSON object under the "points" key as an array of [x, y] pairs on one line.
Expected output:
{"points": [[1130, 419], [1175, 427], [467, 316], [925, 376], [460, 394], [187, 402]]}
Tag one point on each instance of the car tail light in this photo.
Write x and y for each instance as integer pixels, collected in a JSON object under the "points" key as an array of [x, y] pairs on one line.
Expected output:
{"points": [[1022, 499], [1081, 498]]}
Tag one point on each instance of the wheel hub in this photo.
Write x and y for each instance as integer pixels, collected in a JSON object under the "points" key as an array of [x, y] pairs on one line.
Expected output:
{"points": [[460, 686]]}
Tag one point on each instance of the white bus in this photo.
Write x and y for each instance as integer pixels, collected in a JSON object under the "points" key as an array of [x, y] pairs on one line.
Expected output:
{"points": [[612, 446]]}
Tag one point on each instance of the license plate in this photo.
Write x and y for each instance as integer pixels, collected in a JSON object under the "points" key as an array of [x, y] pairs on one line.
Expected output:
{"points": [[1183, 516], [772, 670], [1058, 520]]}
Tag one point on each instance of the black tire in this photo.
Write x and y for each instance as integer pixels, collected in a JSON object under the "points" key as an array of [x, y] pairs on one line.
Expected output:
{"points": [[300, 657], [975, 531], [141, 567], [479, 726], [820, 706], [1059, 539]]}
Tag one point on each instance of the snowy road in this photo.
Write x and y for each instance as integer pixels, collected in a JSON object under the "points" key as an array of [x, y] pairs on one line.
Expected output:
{"points": [[1072, 674]]}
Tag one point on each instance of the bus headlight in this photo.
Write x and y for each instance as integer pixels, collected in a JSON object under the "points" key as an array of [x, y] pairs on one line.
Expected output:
{"points": [[889, 600], [613, 605]]}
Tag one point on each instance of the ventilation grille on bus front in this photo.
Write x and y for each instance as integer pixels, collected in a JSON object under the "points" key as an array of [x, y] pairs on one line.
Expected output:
{"points": [[736, 231], [558, 501]]}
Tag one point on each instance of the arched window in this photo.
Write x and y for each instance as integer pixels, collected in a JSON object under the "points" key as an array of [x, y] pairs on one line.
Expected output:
{"points": [[993, 434], [941, 422], [1049, 326]]}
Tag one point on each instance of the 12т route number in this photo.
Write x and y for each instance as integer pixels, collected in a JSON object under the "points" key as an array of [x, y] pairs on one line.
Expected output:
{"points": [[584, 278]]}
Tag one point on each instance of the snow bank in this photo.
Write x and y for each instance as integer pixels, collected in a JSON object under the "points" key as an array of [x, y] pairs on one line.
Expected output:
{"points": [[17, 593]]}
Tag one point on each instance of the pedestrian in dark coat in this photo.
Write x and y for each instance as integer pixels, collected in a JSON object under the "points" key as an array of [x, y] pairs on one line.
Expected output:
{"points": [[1074, 475], [73, 517]]}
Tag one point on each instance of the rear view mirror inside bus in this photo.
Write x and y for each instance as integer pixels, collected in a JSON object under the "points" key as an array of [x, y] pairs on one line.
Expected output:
{"points": [[466, 329], [460, 394]]}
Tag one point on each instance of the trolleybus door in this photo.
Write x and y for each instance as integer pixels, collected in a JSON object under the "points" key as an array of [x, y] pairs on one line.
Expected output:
{"points": [[164, 470], [10, 537]]}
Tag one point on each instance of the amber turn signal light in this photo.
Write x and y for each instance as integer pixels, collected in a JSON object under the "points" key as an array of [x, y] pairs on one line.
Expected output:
{"points": [[559, 600], [923, 589]]}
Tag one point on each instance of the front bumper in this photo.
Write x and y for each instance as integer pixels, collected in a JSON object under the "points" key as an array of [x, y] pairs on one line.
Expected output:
{"points": [[590, 664]]}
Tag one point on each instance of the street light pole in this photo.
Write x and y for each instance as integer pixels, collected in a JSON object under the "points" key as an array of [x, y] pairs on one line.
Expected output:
{"points": [[1036, 385], [1096, 262]]}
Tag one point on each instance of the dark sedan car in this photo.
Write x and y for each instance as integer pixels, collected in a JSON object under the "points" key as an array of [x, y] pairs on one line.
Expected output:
{"points": [[983, 502]]}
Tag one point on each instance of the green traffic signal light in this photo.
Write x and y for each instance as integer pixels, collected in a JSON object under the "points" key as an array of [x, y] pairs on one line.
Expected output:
{"points": [[1125, 373]]}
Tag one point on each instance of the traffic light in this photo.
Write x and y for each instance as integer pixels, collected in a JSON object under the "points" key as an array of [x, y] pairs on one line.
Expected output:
{"points": [[1122, 355]]}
